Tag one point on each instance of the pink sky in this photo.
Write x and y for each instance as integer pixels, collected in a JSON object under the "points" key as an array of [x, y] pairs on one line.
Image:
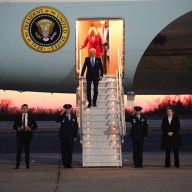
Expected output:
{"points": [[57, 100], [36, 99]]}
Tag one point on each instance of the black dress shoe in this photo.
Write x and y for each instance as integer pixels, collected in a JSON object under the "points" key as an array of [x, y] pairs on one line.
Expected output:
{"points": [[94, 105], [69, 166], [28, 167], [177, 166], [89, 105]]}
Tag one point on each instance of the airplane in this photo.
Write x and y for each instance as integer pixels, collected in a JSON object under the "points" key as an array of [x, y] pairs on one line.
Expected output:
{"points": [[150, 39]]}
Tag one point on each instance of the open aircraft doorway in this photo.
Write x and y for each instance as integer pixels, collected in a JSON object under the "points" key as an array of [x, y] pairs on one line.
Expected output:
{"points": [[109, 43]]}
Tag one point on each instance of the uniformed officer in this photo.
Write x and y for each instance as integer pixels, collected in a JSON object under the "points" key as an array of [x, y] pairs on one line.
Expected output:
{"points": [[68, 133], [138, 133]]}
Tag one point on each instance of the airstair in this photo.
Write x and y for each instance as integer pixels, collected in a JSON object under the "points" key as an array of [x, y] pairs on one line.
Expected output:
{"points": [[102, 128]]}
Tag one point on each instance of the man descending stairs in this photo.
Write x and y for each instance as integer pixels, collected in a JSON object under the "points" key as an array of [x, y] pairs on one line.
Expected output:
{"points": [[102, 127]]}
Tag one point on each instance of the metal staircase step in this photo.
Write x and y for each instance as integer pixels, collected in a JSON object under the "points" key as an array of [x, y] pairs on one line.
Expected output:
{"points": [[101, 140], [101, 144], [102, 159], [102, 164], [99, 137], [93, 118], [99, 151], [100, 131], [100, 110]]}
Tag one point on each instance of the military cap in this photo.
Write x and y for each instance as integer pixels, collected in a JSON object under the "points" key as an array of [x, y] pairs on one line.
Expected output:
{"points": [[67, 106], [138, 108]]}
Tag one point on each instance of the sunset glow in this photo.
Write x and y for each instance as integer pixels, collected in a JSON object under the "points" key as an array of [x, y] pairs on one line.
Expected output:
{"points": [[56, 100], [36, 99]]}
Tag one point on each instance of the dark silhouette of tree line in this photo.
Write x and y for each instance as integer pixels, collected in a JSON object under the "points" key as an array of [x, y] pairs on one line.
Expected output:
{"points": [[8, 112], [182, 106]]}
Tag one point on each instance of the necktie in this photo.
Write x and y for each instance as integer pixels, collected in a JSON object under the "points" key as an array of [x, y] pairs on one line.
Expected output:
{"points": [[92, 62], [24, 120], [68, 116]]}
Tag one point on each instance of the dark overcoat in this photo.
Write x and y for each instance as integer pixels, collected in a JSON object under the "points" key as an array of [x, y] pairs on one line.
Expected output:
{"points": [[173, 141]]}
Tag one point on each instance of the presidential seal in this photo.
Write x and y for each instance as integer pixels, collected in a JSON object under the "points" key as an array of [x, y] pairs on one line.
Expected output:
{"points": [[45, 29]]}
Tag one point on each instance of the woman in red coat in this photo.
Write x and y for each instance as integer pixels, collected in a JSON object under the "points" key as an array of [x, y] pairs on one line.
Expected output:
{"points": [[93, 40]]}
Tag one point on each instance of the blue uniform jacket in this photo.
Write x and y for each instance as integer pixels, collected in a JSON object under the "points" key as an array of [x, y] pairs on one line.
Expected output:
{"points": [[68, 129], [139, 127]]}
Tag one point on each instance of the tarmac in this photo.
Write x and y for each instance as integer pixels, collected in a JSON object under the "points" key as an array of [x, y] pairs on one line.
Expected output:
{"points": [[46, 174]]}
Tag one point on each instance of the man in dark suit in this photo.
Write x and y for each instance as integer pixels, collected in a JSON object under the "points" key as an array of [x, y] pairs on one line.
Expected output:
{"points": [[68, 133], [138, 133], [24, 124], [94, 74]]}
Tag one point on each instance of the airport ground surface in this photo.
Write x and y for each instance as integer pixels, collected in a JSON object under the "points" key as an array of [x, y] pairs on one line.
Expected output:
{"points": [[46, 173]]}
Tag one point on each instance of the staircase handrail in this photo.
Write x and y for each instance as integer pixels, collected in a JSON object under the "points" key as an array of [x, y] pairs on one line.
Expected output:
{"points": [[118, 108], [81, 98], [121, 95]]}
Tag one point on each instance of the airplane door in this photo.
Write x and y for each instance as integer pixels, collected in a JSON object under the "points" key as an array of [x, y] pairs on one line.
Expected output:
{"points": [[115, 52]]}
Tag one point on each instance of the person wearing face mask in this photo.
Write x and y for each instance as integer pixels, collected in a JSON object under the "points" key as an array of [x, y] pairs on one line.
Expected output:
{"points": [[138, 134], [171, 139]]}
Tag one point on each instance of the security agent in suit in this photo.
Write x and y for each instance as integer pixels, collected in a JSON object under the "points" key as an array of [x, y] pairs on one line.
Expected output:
{"points": [[68, 133], [171, 139], [138, 133], [94, 74], [24, 124]]}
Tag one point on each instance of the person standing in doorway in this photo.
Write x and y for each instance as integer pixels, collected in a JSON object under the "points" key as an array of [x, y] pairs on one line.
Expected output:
{"points": [[104, 33], [24, 124], [171, 139], [138, 134], [68, 133], [94, 74], [93, 40]]}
